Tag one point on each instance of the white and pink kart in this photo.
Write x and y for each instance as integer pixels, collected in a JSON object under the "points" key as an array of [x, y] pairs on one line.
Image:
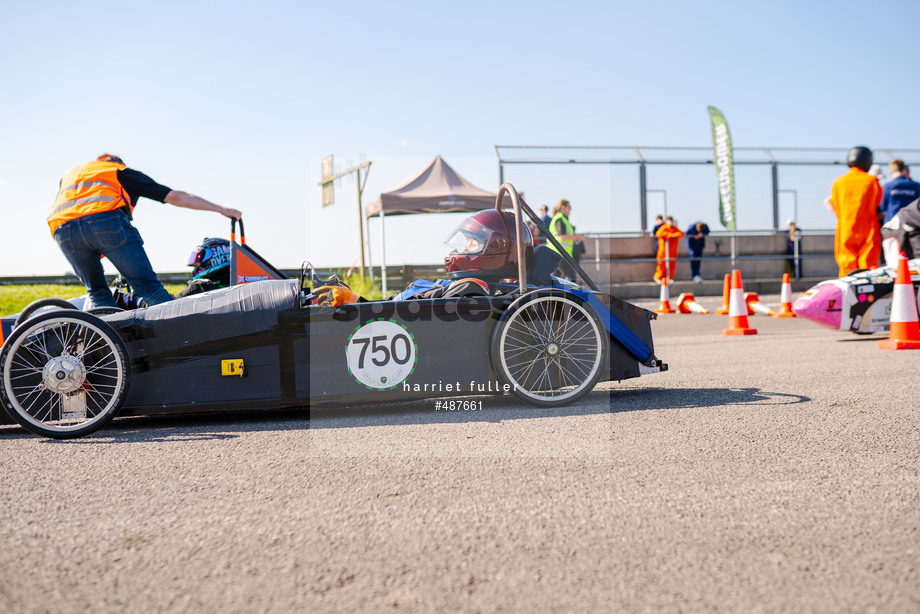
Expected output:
{"points": [[859, 302]]}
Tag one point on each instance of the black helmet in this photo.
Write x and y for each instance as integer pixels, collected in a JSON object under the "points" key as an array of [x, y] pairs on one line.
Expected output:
{"points": [[860, 157], [211, 260]]}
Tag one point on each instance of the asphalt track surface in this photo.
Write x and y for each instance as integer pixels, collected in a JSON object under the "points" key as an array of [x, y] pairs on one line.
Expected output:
{"points": [[770, 473]]}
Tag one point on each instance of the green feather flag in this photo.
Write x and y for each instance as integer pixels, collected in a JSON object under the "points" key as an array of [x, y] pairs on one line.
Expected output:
{"points": [[725, 167]]}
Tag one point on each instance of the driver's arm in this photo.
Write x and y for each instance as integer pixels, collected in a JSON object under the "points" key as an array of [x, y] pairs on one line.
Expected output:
{"points": [[185, 200]]}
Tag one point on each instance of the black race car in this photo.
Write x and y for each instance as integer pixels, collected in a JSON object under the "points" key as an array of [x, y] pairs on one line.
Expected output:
{"points": [[66, 373]]}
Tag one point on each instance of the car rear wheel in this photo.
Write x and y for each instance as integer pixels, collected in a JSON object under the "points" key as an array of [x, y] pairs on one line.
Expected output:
{"points": [[64, 374], [42, 304], [550, 348]]}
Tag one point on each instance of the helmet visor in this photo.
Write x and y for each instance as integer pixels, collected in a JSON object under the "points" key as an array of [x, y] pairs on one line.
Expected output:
{"points": [[195, 257], [467, 241]]}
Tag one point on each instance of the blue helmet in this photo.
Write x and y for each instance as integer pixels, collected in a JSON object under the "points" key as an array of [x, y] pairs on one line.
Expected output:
{"points": [[211, 260]]}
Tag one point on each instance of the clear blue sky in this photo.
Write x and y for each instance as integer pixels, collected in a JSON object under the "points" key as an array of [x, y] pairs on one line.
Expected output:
{"points": [[237, 102]]}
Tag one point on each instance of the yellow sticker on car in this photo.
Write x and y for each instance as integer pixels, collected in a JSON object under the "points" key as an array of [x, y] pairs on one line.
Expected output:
{"points": [[234, 366]]}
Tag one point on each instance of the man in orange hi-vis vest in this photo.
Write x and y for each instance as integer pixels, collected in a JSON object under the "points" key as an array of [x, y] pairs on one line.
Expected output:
{"points": [[668, 239], [91, 217], [855, 198]]}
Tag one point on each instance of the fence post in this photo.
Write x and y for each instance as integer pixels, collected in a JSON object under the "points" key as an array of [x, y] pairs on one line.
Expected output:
{"points": [[775, 170], [643, 199]]}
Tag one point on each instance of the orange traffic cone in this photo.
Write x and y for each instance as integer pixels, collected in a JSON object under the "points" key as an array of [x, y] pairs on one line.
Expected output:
{"points": [[737, 309], [755, 306], [785, 299], [905, 328], [665, 306], [726, 293], [686, 303]]}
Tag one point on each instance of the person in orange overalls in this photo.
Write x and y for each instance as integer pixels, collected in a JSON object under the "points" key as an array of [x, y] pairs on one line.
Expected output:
{"points": [[668, 239], [855, 198]]}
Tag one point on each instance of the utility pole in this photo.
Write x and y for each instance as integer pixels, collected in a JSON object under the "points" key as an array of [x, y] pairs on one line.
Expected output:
{"points": [[329, 176]]}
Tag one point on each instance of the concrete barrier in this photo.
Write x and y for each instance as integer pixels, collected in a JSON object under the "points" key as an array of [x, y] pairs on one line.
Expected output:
{"points": [[632, 259]]}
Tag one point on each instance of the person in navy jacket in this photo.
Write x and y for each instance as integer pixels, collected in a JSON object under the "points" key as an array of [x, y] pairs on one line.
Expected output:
{"points": [[696, 241], [898, 192]]}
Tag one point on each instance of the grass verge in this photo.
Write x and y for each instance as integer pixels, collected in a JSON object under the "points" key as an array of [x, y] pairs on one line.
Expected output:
{"points": [[13, 298]]}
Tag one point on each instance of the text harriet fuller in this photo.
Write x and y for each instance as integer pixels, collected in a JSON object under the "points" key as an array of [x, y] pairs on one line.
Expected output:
{"points": [[456, 387]]}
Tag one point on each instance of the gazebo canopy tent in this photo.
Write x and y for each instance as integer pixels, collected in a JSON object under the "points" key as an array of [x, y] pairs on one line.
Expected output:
{"points": [[436, 188]]}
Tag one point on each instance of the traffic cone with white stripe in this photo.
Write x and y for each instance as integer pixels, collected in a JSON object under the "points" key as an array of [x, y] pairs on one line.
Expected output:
{"points": [[726, 293], [686, 303], [737, 309], [905, 328], [755, 306], [665, 306], [785, 299]]}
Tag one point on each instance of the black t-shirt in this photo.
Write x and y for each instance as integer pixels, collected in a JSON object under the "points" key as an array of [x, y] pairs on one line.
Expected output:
{"points": [[139, 185]]}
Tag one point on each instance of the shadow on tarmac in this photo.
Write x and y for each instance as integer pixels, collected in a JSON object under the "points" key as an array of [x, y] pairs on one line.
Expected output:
{"points": [[180, 427], [499, 409], [689, 398], [495, 409], [875, 337]]}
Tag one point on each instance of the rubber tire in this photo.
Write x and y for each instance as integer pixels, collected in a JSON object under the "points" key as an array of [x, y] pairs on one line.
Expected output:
{"points": [[41, 303], [514, 313], [113, 346]]}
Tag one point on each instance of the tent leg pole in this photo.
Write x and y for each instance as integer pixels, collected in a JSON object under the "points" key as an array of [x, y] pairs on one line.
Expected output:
{"points": [[383, 254], [361, 226]]}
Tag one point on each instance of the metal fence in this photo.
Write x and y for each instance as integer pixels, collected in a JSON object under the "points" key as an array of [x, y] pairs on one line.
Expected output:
{"points": [[773, 184]]}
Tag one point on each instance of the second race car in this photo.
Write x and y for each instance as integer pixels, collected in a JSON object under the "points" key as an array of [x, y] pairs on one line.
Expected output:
{"points": [[859, 302]]}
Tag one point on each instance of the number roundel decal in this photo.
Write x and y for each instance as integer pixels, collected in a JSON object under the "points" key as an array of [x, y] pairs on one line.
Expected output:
{"points": [[381, 354]]}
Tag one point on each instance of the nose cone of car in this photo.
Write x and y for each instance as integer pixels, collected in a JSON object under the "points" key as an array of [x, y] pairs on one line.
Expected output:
{"points": [[821, 304]]}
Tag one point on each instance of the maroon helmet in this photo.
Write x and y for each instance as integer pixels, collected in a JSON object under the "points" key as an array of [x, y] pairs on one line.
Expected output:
{"points": [[486, 242]]}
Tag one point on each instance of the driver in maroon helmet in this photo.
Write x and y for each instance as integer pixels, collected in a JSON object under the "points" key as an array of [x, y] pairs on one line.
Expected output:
{"points": [[485, 245]]}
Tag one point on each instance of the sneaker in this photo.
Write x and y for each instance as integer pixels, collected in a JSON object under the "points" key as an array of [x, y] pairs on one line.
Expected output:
{"points": [[657, 281], [697, 278]]}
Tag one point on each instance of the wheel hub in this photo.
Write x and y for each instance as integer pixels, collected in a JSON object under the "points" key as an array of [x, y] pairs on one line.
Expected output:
{"points": [[64, 374], [552, 349]]}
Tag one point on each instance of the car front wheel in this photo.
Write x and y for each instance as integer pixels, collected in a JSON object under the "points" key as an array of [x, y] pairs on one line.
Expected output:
{"points": [[550, 348], [64, 374]]}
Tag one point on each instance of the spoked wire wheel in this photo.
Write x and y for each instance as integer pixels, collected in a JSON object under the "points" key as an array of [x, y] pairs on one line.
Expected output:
{"points": [[64, 374], [550, 348]]}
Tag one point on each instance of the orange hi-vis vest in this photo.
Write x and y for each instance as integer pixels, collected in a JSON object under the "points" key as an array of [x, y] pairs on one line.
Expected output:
{"points": [[87, 189], [671, 235]]}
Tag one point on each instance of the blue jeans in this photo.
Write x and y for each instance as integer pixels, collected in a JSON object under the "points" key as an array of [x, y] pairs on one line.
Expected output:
{"points": [[85, 239], [695, 256]]}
